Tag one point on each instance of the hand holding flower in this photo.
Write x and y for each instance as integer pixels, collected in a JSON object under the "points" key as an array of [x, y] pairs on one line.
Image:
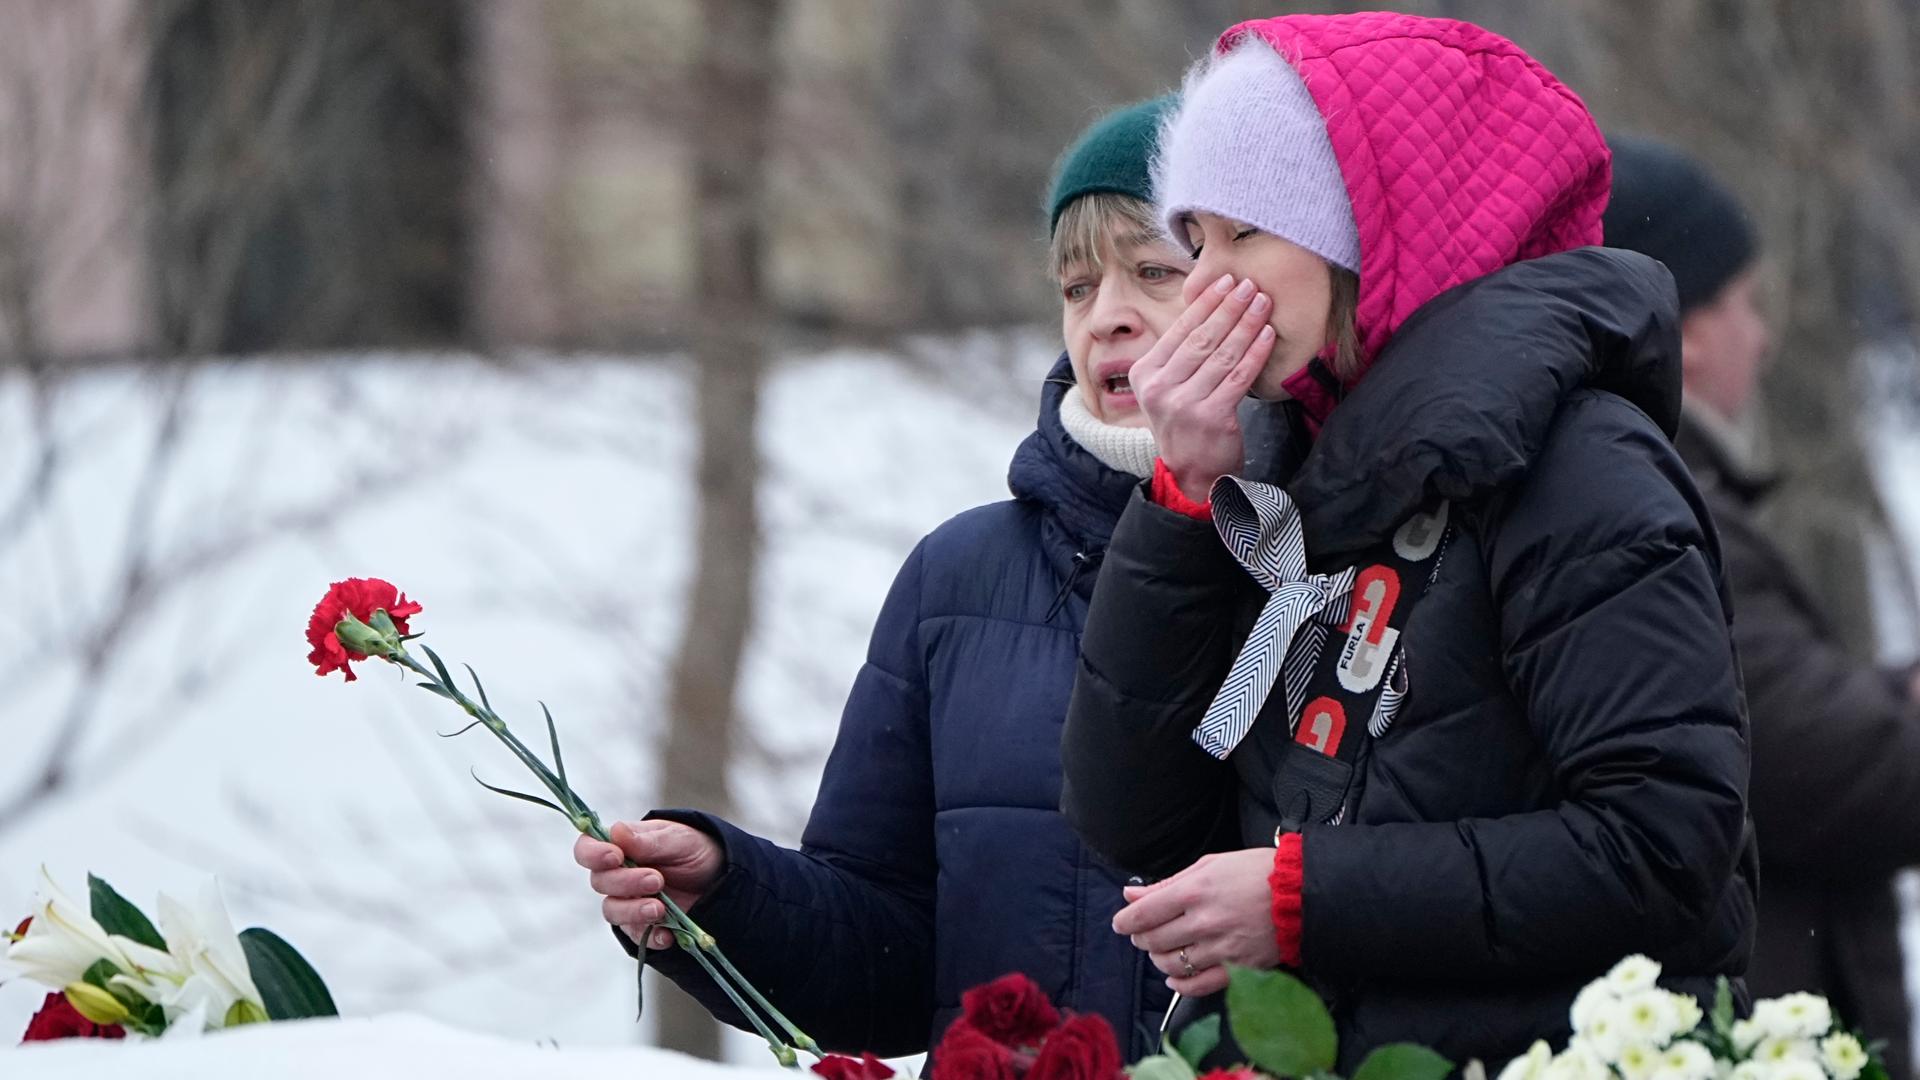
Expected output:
{"points": [[1218, 911], [665, 856]]}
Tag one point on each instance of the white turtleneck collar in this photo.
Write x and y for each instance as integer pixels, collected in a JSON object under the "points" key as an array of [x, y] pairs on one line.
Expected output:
{"points": [[1124, 449]]}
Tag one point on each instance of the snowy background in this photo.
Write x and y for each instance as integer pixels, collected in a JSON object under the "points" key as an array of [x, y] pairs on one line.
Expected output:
{"points": [[542, 514], [540, 510]]}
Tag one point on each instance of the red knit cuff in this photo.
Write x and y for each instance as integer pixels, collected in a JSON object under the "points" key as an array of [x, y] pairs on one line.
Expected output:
{"points": [[1168, 494], [1287, 881]]}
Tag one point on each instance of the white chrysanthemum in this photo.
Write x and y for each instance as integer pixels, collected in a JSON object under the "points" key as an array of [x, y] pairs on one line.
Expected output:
{"points": [[1606, 1031], [1797, 1069], [1638, 1061], [1577, 1062], [1843, 1056], [1686, 1061], [1530, 1066], [1746, 1035], [1688, 1011], [1750, 1070], [1591, 999], [1632, 975], [1777, 1051], [1794, 1016], [1649, 1017]]}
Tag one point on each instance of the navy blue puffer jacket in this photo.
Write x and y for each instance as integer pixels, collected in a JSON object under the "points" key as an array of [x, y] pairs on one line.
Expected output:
{"points": [[936, 858]]}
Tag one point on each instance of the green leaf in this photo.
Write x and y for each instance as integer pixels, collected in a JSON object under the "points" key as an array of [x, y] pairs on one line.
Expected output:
{"points": [[118, 916], [1199, 1039], [439, 666], [1279, 1022], [289, 987], [476, 685], [1161, 1067], [99, 972], [462, 731], [1722, 1015], [1403, 1061], [553, 735], [521, 795], [434, 690]]}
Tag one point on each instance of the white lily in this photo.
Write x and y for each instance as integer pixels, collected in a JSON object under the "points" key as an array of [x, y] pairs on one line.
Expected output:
{"points": [[63, 941], [202, 942]]}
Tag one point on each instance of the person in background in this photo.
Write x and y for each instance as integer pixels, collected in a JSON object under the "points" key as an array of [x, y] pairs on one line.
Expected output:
{"points": [[1835, 790], [936, 859]]}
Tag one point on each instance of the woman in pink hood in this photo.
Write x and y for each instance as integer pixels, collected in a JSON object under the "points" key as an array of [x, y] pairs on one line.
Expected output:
{"points": [[1430, 696]]}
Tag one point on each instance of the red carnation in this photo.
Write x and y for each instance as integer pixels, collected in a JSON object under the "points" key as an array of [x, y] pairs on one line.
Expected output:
{"points": [[359, 597], [58, 1019], [1010, 1010], [1082, 1049], [864, 1067], [965, 1054]]}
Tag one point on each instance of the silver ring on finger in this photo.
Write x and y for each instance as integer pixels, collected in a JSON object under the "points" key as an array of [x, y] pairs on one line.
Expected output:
{"points": [[1187, 969]]}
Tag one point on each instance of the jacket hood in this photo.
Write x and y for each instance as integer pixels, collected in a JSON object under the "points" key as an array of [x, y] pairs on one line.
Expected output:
{"points": [[1461, 154], [1462, 400], [1082, 496]]}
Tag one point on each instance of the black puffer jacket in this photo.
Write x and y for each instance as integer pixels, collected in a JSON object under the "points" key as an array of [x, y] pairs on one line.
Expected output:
{"points": [[1566, 782]]}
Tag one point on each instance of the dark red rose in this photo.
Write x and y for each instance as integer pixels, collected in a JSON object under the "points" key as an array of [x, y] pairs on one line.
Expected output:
{"points": [[965, 1054], [361, 596], [864, 1067], [1240, 1072], [1010, 1010], [1083, 1048], [58, 1019]]}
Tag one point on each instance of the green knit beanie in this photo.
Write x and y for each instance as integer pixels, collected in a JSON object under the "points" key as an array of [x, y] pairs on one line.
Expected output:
{"points": [[1111, 156]]}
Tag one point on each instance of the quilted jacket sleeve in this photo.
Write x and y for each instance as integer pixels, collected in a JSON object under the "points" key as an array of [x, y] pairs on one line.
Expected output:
{"points": [[1166, 620], [1614, 635], [839, 935]]}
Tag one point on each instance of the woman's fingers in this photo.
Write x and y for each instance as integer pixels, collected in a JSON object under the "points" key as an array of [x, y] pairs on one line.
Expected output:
{"points": [[1195, 338], [1227, 356], [1156, 908], [1168, 937], [1239, 380], [632, 913], [596, 854], [627, 882], [1209, 981]]}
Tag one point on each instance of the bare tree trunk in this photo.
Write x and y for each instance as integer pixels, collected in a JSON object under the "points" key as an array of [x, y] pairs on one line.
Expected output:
{"points": [[735, 79]]}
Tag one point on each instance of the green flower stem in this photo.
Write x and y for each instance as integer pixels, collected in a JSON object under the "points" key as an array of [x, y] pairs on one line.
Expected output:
{"points": [[780, 1050], [687, 934]]}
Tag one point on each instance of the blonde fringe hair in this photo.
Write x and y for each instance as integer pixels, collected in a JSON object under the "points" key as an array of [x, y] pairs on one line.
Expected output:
{"points": [[1092, 226]]}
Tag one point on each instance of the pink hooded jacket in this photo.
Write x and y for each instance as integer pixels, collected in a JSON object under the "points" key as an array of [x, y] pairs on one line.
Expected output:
{"points": [[1461, 154]]}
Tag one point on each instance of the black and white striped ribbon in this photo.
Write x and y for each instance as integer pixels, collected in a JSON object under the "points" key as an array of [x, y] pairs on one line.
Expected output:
{"points": [[1260, 526]]}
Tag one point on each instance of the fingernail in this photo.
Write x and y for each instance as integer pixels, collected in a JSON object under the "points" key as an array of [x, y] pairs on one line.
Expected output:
{"points": [[1262, 302], [1266, 335], [1225, 283], [1245, 290]]}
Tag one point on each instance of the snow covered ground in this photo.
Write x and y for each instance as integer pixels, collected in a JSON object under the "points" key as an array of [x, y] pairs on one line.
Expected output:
{"points": [[541, 510]]}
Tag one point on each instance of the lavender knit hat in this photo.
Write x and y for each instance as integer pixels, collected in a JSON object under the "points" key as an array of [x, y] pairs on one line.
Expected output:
{"points": [[1248, 143]]}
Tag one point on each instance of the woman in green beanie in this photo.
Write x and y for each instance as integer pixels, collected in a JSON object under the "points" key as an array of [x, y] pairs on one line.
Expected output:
{"points": [[935, 859]]}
